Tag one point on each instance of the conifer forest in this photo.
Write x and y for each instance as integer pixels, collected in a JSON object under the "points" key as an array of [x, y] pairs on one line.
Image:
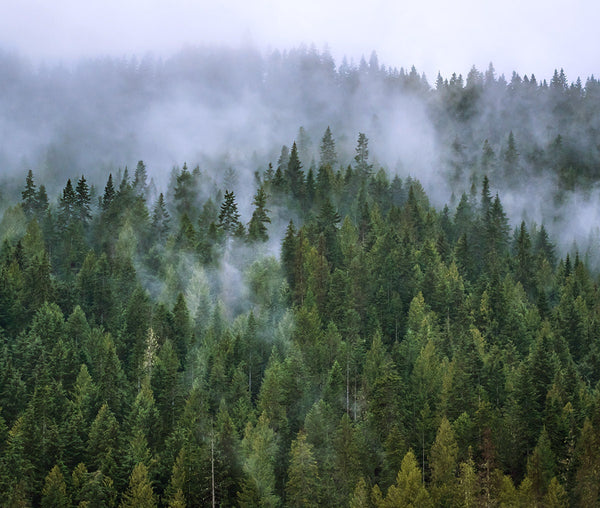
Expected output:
{"points": [[358, 315]]}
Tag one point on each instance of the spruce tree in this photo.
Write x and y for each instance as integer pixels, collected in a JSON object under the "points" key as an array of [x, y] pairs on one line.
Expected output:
{"points": [[29, 196], [140, 185], [68, 206], [257, 229], [109, 193], [82, 201], [41, 206], [361, 159], [328, 153], [303, 480], [54, 494], [229, 217], [160, 220], [294, 175], [140, 492]]}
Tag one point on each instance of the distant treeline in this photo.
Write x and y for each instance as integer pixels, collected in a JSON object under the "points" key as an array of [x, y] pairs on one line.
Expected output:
{"points": [[218, 102]]}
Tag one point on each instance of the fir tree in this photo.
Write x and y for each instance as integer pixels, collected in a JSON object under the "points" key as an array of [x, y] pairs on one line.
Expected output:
{"points": [[109, 193], [328, 153], [229, 217], [82, 201], [29, 196], [68, 206], [294, 174], [362, 166], [140, 185], [257, 229], [160, 220]]}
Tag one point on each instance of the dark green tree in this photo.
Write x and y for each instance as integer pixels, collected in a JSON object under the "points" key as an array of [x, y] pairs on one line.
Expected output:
{"points": [[229, 217], [294, 175], [82, 201], [29, 196], [257, 229]]}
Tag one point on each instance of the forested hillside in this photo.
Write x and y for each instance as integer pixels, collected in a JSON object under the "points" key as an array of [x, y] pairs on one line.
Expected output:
{"points": [[535, 137], [163, 349]]}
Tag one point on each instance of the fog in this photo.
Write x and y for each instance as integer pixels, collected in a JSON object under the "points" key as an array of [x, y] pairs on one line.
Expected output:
{"points": [[528, 37], [230, 110]]}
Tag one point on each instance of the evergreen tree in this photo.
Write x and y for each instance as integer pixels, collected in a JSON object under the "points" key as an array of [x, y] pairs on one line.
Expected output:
{"points": [[67, 206], [257, 229], [302, 484], [109, 193], [443, 463], [328, 153], [140, 492], [29, 196], [82, 201], [229, 217], [294, 175], [512, 170], [160, 220], [184, 193], [524, 259], [260, 448], [362, 166], [41, 207], [408, 489], [140, 184], [54, 494]]}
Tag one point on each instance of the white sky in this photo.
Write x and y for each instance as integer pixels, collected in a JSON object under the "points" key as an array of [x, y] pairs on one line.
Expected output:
{"points": [[435, 35]]}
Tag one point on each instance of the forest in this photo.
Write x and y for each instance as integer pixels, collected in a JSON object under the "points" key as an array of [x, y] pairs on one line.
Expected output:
{"points": [[323, 331]]}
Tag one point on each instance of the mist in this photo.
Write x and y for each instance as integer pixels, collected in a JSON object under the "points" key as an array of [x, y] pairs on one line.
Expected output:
{"points": [[232, 110]]}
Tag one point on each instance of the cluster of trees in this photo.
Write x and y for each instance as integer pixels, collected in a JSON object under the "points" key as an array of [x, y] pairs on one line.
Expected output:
{"points": [[554, 122], [392, 355]]}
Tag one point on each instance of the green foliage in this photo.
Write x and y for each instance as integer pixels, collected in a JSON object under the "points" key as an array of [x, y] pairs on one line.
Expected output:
{"points": [[140, 492], [54, 493], [191, 366], [303, 480]]}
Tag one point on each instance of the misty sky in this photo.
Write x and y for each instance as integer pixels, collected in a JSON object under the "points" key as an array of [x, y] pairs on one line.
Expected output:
{"points": [[437, 35]]}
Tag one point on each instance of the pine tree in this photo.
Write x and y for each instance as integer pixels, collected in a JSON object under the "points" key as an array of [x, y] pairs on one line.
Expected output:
{"points": [[160, 220], [140, 185], [362, 166], [82, 201], [303, 479], [29, 196], [41, 207], [511, 168], [54, 494], [524, 259], [304, 146], [328, 153], [184, 192], [257, 229], [67, 206], [443, 462], [360, 496], [229, 217], [288, 254], [408, 489], [488, 160], [103, 442], [260, 448], [467, 493], [294, 175], [140, 492], [109, 193]]}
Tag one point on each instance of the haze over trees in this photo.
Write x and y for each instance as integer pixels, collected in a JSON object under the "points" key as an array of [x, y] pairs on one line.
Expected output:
{"points": [[319, 332]]}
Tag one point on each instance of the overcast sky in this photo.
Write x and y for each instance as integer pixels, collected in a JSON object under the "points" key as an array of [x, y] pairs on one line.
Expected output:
{"points": [[436, 35]]}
